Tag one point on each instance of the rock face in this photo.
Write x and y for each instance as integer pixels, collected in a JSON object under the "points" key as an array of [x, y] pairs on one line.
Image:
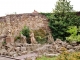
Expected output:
{"points": [[16, 22], [13, 24]]}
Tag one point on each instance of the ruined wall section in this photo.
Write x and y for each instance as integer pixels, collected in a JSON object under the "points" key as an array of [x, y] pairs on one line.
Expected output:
{"points": [[14, 23], [3, 25]]}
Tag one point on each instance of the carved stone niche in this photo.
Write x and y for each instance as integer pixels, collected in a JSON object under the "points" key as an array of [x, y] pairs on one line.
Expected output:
{"points": [[9, 39]]}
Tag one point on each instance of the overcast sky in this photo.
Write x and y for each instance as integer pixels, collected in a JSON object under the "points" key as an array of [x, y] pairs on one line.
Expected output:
{"points": [[28, 6]]}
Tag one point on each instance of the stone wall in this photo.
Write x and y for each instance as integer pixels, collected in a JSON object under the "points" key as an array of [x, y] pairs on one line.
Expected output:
{"points": [[14, 23]]}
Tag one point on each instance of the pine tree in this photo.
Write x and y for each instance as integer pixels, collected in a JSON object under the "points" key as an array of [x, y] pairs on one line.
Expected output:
{"points": [[61, 19]]}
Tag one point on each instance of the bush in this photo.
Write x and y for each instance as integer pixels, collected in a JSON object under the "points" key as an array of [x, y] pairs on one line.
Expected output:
{"points": [[40, 36], [65, 55], [26, 32], [74, 36], [69, 56]]}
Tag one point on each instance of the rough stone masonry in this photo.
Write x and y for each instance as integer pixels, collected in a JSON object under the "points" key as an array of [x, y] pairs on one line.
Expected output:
{"points": [[12, 24]]}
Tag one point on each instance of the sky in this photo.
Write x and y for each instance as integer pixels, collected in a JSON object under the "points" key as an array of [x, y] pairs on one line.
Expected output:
{"points": [[28, 6]]}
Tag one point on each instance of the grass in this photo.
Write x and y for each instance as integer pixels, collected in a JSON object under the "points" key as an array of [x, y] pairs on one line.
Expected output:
{"points": [[46, 58]]}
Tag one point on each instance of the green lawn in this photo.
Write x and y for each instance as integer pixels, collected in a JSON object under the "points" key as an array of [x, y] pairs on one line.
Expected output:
{"points": [[46, 58]]}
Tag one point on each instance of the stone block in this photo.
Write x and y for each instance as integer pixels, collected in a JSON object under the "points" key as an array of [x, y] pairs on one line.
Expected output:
{"points": [[9, 39], [17, 49], [23, 48]]}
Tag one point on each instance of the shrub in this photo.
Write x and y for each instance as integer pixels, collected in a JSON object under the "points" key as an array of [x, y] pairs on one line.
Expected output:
{"points": [[74, 36], [40, 36], [26, 32], [68, 56]]}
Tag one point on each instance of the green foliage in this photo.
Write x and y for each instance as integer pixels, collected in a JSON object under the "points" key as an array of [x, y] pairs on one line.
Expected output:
{"points": [[25, 31], [59, 24], [74, 19], [69, 56], [72, 30], [48, 15], [58, 30], [74, 36], [62, 17], [65, 55], [40, 36], [46, 58], [63, 6]]}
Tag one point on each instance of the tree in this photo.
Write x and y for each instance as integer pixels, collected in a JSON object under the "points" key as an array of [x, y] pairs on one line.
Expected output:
{"points": [[62, 17], [63, 6], [26, 32]]}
